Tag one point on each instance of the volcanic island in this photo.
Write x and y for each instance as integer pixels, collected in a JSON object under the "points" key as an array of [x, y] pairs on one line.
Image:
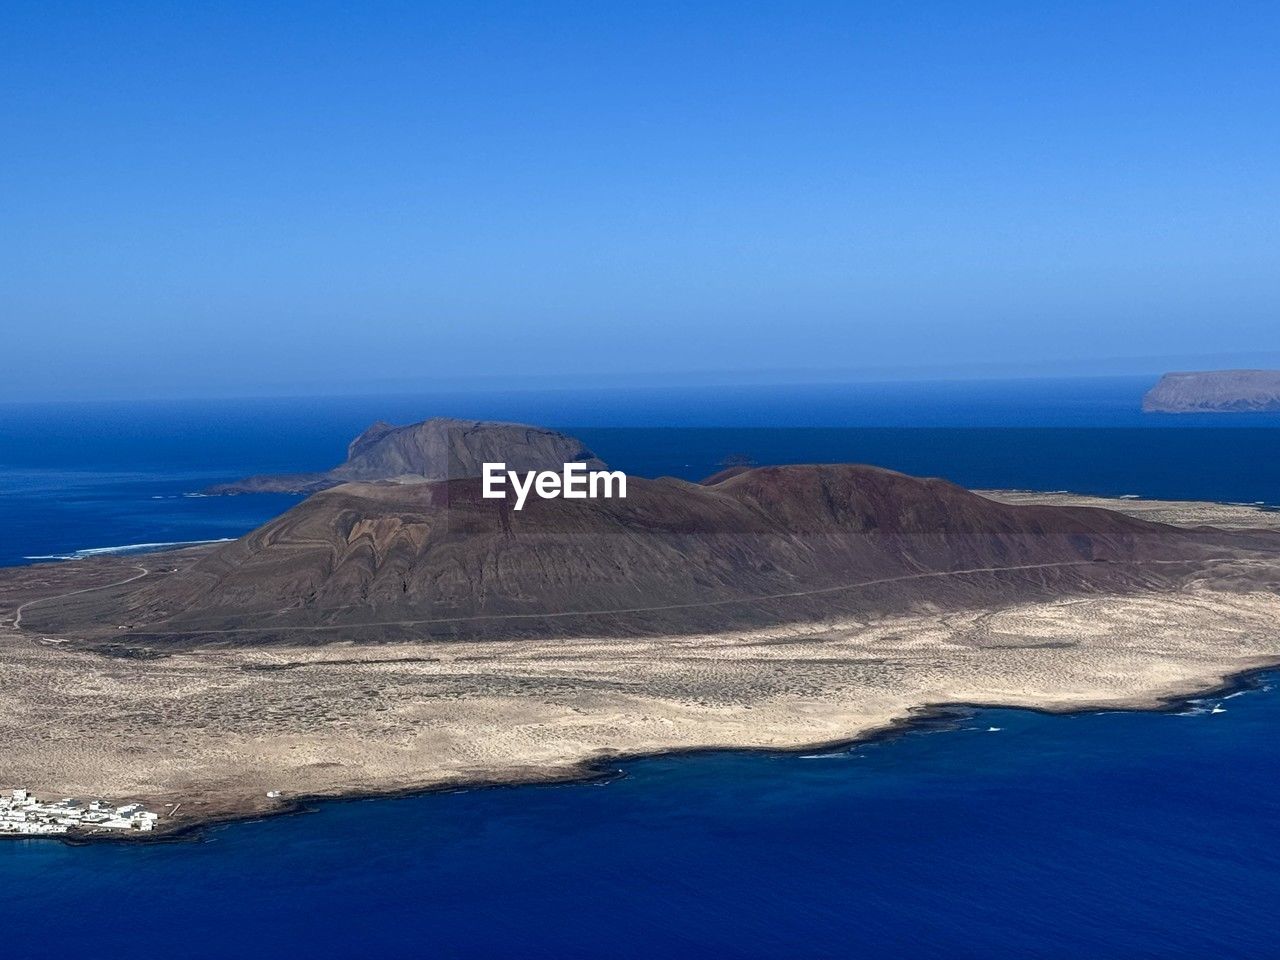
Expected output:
{"points": [[397, 631]]}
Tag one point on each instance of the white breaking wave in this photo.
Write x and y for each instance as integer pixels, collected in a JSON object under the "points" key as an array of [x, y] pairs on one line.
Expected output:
{"points": [[126, 548]]}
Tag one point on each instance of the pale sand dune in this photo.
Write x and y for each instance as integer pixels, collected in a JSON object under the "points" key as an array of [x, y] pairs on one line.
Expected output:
{"points": [[217, 729], [1186, 513]]}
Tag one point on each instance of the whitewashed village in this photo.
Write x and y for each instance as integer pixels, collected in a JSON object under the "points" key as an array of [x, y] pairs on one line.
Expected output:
{"points": [[21, 814]]}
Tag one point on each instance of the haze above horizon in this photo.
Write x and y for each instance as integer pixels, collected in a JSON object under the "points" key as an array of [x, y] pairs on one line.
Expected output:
{"points": [[251, 199]]}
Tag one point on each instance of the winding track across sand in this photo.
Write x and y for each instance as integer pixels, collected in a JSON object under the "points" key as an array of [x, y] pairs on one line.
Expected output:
{"points": [[17, 614], [189, 627]]}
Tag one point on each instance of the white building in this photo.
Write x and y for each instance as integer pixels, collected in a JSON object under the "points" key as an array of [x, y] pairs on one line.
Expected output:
{"points": [[21, 813]]}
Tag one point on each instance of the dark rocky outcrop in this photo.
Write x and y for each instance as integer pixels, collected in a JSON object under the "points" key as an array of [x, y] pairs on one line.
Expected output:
{"points": [[441, 448]]}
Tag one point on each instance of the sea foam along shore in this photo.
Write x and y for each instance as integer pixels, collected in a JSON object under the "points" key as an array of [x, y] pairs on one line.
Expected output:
{"points": [[125, 549]]}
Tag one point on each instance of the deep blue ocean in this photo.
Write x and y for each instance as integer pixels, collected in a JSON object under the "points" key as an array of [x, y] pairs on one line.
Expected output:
{"points": [[997, 834]]}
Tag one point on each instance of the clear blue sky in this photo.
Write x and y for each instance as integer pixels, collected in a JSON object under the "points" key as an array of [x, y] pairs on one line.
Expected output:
{"points": [[240, 198]]}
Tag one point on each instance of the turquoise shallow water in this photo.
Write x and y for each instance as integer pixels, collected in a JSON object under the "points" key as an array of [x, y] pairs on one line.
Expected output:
{"points": [[1093, 836]]}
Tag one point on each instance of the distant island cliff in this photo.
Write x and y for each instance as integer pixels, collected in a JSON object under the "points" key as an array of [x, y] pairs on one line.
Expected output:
{"points": [[1215, 391]]}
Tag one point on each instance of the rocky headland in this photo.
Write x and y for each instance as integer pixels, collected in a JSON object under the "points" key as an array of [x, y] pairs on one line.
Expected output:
{"points": [[1215, 391], [441, 448]]}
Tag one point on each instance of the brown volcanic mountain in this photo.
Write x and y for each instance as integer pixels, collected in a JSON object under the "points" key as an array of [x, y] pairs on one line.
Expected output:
{"points": [[441, 448], [768, 545]]}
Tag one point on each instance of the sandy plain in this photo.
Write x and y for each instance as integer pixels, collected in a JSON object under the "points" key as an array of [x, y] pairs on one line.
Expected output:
{"points": [[202, 736]]}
